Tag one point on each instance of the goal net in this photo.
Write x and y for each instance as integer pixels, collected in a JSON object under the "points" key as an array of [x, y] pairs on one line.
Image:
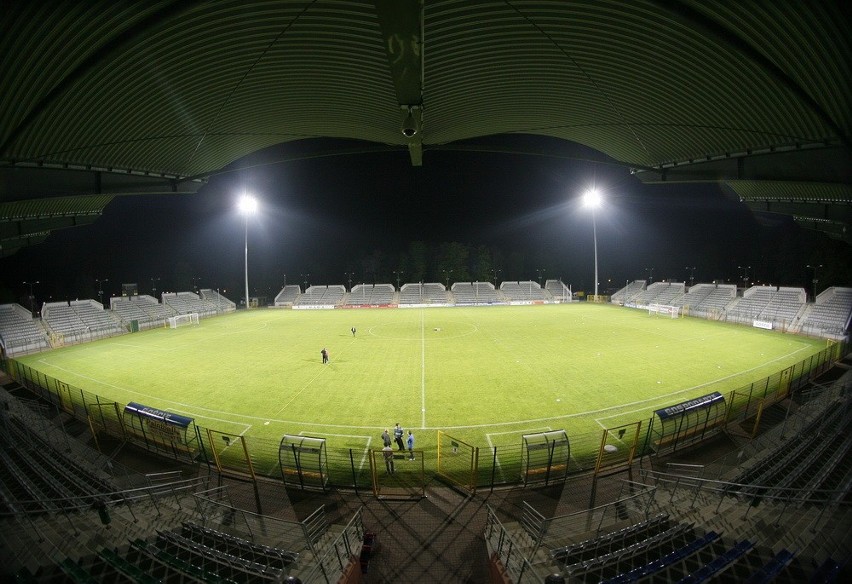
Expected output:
{"points": [[664, 310], [183, 320]]}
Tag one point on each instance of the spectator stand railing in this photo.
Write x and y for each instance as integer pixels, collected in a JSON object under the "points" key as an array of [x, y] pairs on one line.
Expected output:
{"points": [[506, 552]]}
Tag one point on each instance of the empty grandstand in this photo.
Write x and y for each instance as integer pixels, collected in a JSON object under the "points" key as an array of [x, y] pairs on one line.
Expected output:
{"points": [[466, 293], [287, 296], [657, 293], [20, 333], [626, 295], [528, 291], [558, 291], [145, 310], [748, 308], [215, 301], [829, 316], [321, 296], [785, 308], [78, 321], [710, 300], [191, 303], [371, 295], [432, 293]]}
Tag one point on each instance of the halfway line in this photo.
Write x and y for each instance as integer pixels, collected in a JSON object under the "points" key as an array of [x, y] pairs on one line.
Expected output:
{"points": [[422, 372]]}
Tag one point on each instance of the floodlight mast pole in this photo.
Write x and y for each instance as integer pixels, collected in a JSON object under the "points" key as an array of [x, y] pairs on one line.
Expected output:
{"points": [[248, 205], [595, 236], [814, 281], [32, 297], [592, 200], [100, 284], [245, 221]]}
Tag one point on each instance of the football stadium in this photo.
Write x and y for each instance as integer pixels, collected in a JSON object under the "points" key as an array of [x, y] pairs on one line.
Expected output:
{"points": [[446, 416]]}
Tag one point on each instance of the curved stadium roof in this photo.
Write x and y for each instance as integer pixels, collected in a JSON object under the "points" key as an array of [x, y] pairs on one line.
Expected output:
{"points": [[105, 98]]}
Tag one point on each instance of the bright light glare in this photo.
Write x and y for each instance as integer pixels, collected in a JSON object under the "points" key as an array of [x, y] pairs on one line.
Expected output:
{"points": [[248, 205], [592, 199]]}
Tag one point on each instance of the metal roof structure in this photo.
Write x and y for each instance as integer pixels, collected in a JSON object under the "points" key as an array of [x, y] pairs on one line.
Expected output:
{"points": [[109, 97]]}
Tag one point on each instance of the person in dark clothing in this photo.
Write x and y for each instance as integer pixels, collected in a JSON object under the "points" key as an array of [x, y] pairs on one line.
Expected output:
{"points": [[324, 354], [397, 436], [386, 439]]}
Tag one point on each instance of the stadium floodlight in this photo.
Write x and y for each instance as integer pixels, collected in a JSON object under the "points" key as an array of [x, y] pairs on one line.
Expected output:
{"points": [[248, 206], [592, 200]]}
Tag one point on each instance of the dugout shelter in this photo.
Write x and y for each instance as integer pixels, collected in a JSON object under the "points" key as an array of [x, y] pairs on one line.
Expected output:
{"points": [[161, 430], [545, 457], [303, 461], [691, 421]]}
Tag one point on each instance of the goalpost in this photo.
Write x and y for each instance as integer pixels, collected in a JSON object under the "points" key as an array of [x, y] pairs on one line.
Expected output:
{"points": [[183, 320], [664, 309]]}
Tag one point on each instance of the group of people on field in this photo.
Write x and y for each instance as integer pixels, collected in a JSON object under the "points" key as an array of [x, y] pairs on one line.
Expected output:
{"points": [[387, 449]]}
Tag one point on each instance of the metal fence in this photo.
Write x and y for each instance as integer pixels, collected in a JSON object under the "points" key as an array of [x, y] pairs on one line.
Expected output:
{"points": [[497, 465]]}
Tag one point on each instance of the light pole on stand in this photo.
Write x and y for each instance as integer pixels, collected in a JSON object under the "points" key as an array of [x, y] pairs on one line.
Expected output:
{"points": [[32, 296], [592, 200], [248, 206], [100, 284]]}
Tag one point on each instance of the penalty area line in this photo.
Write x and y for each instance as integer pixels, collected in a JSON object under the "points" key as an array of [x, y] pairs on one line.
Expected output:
{"points": [[366, 450]]}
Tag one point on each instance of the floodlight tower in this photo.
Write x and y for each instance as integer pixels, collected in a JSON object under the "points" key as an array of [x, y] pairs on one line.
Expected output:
{"points": [[100, 284], [814, 281], [248, 206], [32, 297], [592, 200], [744, 274], [691, 275]]}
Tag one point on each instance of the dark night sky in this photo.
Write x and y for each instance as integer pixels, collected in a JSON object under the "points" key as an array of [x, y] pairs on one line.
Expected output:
{"points": [[322, 216]]}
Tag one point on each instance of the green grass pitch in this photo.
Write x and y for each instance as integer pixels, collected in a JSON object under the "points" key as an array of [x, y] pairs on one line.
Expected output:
{"points": [[485, 375]]}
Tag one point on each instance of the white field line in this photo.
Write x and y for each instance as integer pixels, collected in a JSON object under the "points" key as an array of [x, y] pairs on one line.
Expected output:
{"points": [[177, 410], [688, 389], [230, 442], [364, 454], [422, 372], [608, 434], [308, 384], [366, 451]]}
